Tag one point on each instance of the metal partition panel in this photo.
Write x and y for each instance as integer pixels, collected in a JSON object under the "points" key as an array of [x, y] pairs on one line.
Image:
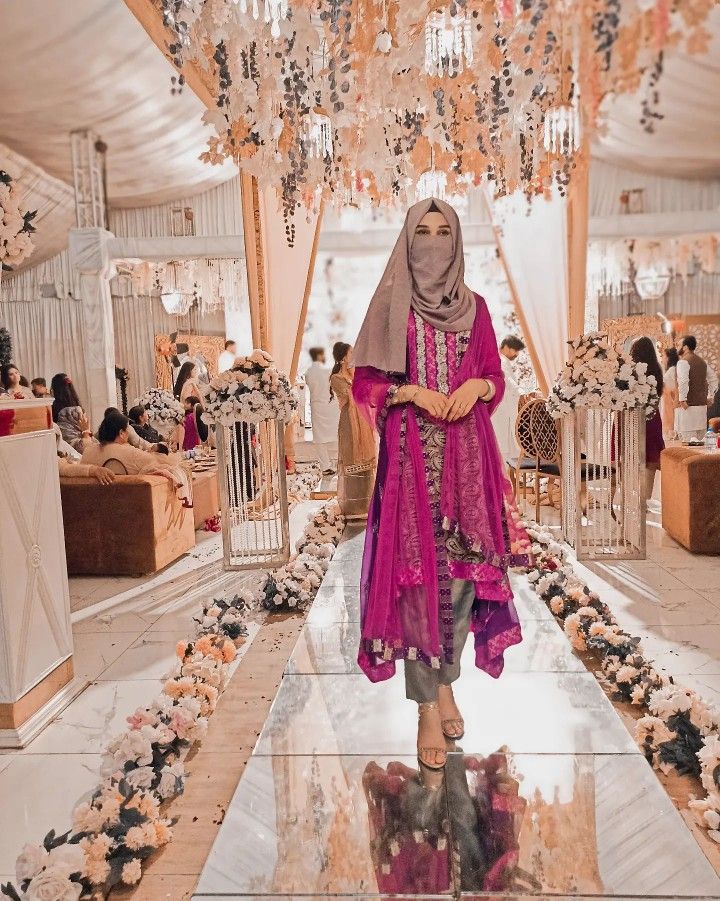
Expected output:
{"points": [[253, 495]]}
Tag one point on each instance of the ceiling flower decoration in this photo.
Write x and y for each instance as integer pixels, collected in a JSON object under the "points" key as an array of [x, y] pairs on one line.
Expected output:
{"points": [[502, 90]]}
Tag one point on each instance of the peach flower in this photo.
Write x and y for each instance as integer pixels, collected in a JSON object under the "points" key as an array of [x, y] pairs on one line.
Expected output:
{"points": [[131, 872]]}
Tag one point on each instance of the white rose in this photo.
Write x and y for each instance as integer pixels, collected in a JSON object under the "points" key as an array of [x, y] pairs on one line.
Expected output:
{"points": [[52, 885], [68, 858], [30, 861]]}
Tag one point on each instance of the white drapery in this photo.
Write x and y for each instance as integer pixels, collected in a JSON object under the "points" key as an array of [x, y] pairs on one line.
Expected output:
{"points": [[533, 241], [47, 337], [215, 212]]}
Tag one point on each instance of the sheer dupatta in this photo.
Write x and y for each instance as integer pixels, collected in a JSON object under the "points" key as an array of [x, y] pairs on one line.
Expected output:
{"points": [[399, 584]]}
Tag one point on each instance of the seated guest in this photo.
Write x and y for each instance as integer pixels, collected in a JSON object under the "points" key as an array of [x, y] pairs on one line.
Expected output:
{"points": [[135, 440], [193, 424], [11, 382], [70, 468], [140, 421], [113, 444], [75, 427], [64, 394], [39, 387]]}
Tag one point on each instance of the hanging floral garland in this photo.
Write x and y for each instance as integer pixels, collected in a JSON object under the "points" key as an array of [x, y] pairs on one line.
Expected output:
{"points": [[341, 98]]}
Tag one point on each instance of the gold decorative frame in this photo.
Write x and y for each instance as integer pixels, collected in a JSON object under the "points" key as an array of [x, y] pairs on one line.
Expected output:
{"points": [[210, 346], [620, 330]]}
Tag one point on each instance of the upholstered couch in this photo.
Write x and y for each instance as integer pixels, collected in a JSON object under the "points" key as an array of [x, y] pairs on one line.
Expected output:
{"points": [[133, 527], [691, 498]]}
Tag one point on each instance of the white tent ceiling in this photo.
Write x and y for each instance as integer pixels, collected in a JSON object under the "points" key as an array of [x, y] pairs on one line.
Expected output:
{"points": [[89, 64], [686, 141]]}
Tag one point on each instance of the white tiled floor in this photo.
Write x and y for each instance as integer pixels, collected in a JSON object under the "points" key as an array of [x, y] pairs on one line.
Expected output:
{"points": [[124, 632]]}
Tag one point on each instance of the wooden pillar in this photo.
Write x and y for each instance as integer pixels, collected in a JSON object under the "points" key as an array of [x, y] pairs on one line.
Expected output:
{"points": [[577, 238]]}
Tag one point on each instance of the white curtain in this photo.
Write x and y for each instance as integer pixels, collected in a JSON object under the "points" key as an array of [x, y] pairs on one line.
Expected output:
{"points": [[533, 240], [138, 320], [696, 295], [215, 212], [47, 337], [661, 194]]}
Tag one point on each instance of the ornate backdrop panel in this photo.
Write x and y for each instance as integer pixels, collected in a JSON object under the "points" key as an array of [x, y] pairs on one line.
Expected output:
{"points": [[207, 346]]}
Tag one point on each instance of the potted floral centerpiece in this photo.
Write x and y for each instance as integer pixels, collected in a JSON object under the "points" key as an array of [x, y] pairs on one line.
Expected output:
{"points": [[253, 391], [249, 407], [602, 397], [162, 407]]}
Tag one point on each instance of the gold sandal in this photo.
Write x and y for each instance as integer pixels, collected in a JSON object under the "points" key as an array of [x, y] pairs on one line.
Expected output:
{"points": [[430, 705], [459, 728]]}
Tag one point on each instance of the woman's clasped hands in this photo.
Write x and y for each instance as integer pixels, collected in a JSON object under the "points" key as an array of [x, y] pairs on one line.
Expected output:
{"points": [[458, 404]]}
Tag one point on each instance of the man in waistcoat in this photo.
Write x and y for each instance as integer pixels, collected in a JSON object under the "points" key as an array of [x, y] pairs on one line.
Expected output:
{"points": [[697, 384]]}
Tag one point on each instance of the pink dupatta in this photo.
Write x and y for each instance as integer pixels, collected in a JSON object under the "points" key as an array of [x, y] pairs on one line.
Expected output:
{"points": [[399, 585]]}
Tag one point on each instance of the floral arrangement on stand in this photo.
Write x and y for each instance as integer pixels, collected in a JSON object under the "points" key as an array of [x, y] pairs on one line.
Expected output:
{"points": [[598, 375], [680, 731], [253, 391], [15, 226], [143, 768], [162, 406]]}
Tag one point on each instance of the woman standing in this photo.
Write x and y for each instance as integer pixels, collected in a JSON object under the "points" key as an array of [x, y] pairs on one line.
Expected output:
{"points": [[669, 396], [643, 351], [442, 530], [356, 440], [186, 384]]}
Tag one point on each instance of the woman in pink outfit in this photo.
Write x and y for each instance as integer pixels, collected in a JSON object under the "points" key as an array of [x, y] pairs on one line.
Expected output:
{"points": [[442, 530]]}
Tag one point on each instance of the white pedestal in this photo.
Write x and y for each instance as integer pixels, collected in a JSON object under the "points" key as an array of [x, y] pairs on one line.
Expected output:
{"points": [[36, 673]]}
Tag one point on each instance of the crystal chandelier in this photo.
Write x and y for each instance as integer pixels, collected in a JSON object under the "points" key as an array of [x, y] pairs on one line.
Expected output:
{"points": [[448, 43], [652, 283], [275, 11], [562, 129], [431, 184], [317, 134], [174, 301]]}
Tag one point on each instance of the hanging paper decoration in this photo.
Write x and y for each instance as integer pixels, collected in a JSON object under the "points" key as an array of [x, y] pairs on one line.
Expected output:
{"points": [[500, 88], [448, 43]]}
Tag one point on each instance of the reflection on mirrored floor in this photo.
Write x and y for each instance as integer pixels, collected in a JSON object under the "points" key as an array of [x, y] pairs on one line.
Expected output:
{"points": [[548, 795]]}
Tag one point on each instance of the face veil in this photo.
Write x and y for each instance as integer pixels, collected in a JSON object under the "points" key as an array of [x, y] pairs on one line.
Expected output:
{"points": [[425, 273]]}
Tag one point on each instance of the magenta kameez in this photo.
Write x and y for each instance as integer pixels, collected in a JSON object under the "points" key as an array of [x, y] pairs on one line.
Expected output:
{"points": [[442, 509]]}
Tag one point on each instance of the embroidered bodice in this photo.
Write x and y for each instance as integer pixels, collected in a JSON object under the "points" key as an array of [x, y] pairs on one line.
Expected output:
{"points": [[434, 356]]}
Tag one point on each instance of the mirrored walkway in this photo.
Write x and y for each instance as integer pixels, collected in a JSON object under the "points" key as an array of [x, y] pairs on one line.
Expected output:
{"points": [[546, 796]]}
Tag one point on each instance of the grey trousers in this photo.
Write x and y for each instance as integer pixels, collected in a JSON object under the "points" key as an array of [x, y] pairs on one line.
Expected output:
{"points": [[422, 681]]}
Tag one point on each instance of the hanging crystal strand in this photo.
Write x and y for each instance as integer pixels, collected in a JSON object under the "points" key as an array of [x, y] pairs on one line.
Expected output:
{"points": [[243, 7], [255, 10], [467, 40]]}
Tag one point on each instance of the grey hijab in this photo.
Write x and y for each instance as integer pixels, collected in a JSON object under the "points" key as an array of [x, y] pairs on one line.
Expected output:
{"points": [[425, 273]]}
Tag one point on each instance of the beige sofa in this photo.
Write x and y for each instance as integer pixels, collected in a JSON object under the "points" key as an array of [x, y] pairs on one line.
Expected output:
{"points": [[133, 527], [691, 498]]}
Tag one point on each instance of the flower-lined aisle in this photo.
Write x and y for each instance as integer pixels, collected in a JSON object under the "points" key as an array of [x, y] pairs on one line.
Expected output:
{"points": [[680, 731], [126, 820]]}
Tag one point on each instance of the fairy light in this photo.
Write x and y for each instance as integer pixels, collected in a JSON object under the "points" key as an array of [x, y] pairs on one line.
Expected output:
{"points": [[318, 135], [275, 11]]}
